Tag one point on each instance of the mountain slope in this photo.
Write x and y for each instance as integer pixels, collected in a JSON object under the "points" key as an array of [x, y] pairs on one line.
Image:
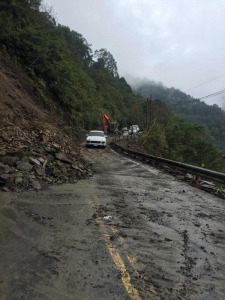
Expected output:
{"points": [[36, 148], [190, 109], [60, 61]]}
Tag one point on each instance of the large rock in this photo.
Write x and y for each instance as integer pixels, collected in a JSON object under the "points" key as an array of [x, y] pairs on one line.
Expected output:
{"points": [[56, 173], [30, 178], [3, 166], [59, 163], [36, 185], [61, 156], [50, 150], [9, 160], [10, 183], [24, 166], [49, 171], [39, 170], [64, 171], [220, 193], [5, 177], [207, 186], [6, 169]]}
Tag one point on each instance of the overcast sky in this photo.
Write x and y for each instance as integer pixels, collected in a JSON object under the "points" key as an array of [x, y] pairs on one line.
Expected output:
{"points": [[178, 42]]}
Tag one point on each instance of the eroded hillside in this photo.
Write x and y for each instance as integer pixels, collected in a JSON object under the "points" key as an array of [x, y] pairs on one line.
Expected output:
{"points": [[36, 148]]}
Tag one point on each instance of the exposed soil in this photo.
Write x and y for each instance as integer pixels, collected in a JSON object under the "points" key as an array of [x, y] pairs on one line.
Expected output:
{"points": [[36, 147]]}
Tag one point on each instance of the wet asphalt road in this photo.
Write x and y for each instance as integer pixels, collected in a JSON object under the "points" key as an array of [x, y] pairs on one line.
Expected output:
{"points": [[130, 232]]}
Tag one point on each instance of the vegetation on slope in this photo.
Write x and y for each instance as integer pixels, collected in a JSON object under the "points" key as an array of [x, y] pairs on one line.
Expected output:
{"points": [[189, 109], [171, 137], [81, 84]]}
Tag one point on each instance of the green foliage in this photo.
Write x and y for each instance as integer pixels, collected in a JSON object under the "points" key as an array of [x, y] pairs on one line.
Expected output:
{"points": [[190, 109], [105, 60], [171, 137]]}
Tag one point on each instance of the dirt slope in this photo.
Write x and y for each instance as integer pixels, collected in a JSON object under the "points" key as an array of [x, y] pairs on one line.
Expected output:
{"points": [[36, 148]]}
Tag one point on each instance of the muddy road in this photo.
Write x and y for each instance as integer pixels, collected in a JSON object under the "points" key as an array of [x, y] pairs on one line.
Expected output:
{"points": [[130, 232]]}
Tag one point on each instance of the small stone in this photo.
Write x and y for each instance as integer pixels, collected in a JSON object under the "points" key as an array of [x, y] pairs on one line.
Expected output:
{"points": [[36, 185], [56, 173], [43, 138], [31, 178], [41, 159], [207, 183], [50, 150], [188, 176], [59, 163], [75, 167], [24, 147], [49, 179], [49, 171], [168, 240], [9, 183], [56, 146], [18, 180], [34, 161]]}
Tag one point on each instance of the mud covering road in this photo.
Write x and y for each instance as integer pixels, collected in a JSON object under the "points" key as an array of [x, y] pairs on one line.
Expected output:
{"points": [[130, 232]]}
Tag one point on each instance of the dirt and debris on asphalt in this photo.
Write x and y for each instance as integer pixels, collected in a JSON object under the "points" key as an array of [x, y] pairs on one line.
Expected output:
{"points": [[128, 232]]}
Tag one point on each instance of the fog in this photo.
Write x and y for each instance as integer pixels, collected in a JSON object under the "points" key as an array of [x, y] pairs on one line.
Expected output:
{"points": [[178, 43]]}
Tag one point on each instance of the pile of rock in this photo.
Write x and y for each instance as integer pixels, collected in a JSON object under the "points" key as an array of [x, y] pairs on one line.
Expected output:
{"points": [[34, 158]]}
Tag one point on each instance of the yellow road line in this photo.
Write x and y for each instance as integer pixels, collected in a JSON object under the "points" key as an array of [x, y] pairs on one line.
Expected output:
{"points": [[132, 260], [125, 276]]}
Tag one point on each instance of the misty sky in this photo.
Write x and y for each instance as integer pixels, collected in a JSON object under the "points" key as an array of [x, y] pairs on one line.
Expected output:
{"points": [[178, 42]]}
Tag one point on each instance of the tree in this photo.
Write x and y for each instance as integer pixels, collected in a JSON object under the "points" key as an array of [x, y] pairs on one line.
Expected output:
{"points": [[77, 44], [106, 60], [35, 4]]}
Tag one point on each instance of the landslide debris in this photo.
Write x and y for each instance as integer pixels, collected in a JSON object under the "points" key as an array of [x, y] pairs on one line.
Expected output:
{"points": [[36, 148]]}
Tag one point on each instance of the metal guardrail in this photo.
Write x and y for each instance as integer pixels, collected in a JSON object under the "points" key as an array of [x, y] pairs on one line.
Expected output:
{"points": [[213, 175]]}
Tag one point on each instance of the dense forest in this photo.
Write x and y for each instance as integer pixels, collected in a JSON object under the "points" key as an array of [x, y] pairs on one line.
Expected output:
{"points": [[78, 84], [188, 108]]}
